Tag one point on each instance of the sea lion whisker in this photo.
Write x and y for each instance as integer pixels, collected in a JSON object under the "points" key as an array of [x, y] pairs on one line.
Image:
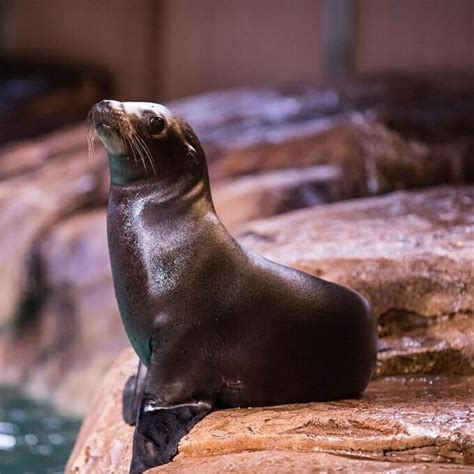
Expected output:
{"points": [[90, 141], [90, 134], [136, 148], [144, 152], [123, 141], [89, 120], [130, 144], [139, 150], [147, 152]]}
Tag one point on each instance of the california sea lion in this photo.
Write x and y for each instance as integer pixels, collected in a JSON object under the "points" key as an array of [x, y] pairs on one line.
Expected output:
{"points": [[214, 324]]}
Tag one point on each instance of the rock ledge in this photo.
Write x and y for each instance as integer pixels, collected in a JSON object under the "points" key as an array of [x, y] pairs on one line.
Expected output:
{"points": [[411, 422]]}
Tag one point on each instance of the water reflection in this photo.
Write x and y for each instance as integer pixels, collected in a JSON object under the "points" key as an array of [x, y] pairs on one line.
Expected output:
{"points": [[34, 438]]}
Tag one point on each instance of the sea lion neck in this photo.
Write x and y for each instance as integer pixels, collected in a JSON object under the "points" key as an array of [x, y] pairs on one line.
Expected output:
{"points": [[124, 170], [166, 195]]}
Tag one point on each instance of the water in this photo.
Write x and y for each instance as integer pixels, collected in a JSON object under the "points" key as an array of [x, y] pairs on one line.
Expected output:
{"points": [[34, 438]]}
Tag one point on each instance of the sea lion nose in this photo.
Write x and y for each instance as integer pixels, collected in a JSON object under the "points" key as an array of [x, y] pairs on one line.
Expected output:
{"points": [[107, 105], [101, 112], [104, 105]]}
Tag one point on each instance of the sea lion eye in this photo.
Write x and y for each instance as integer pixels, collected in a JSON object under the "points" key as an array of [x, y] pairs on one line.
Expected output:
{"points": [[157, 125]]}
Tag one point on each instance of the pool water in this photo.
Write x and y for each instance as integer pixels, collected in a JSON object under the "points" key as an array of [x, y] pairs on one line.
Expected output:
{"points": [[34, 437]]}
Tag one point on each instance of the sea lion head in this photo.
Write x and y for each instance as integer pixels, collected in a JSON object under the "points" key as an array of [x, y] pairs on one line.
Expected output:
{"points": [[146, 141]]}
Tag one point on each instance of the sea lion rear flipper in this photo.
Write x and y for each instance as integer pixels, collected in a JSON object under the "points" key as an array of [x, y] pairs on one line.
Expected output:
{"points": [[132, 394], [159, 430]]}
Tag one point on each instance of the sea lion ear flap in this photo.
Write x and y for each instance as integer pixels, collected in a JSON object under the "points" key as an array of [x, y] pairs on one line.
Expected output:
{"points": [[193, 147], [192, 153]]}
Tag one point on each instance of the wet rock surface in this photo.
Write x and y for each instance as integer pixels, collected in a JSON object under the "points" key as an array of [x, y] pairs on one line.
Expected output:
{"points": [[412, 423], [434, 108]]}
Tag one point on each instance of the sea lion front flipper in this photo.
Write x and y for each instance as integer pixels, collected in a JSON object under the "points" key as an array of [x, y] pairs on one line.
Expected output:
{"points": [[168, 409], [132, 394], [159, 430]]}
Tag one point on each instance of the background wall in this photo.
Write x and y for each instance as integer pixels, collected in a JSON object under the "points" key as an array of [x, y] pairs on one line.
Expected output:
{"points": [[212, 44], [172, 48], [413, 35], [113, 34]]}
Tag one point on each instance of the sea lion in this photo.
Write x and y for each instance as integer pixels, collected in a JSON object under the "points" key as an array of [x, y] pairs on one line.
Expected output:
{"points": [[214, 324]]}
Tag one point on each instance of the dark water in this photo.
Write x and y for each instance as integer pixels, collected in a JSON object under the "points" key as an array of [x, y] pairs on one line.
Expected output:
{"points": [[34, 438]]}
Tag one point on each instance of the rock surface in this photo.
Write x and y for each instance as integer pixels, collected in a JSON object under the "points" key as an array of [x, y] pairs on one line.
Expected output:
{"points": [[433, 109], [77, 327], [427, 120], [30, 205], [274, 192], [26, 156], [410, 423], [374, 158]]}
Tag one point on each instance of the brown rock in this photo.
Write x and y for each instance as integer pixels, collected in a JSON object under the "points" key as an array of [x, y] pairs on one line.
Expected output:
{"points": [[76, 333], [269, 193], [269, 462], [373, 158], [104, 441], [28, 155], [411, 254], [442, 346], [31, 204], [398, 418], [433, 108], [420, 421], [425, 120]]}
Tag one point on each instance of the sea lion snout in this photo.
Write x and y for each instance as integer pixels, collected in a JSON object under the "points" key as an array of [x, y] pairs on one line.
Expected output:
{"points": [[111, 124], [108, 104], [104, 104], [108, 112]]}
